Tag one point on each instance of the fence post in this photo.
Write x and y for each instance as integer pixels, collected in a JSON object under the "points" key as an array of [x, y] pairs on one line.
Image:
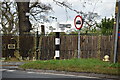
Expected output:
{"points": [[37, 45], [99, 46]]}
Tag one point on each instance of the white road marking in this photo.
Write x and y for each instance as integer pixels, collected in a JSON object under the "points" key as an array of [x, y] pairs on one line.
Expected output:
{"points": [[30, 72], [3, 69], [11, 70], [67, 75]]}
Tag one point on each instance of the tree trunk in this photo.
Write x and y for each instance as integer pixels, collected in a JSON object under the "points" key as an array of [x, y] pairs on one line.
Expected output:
{"points": [[24, 23], [24, 28]]}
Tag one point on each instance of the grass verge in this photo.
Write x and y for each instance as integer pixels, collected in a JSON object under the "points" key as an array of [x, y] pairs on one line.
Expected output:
{"points": [[76, 65]]}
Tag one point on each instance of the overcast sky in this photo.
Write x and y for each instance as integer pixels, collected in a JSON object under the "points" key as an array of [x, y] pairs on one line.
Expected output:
{"points": [[102, 7], [64, 15]]}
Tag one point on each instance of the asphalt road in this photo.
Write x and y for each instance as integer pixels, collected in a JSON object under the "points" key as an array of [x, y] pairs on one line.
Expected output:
{"points": [[14, 74], [29, 74]]}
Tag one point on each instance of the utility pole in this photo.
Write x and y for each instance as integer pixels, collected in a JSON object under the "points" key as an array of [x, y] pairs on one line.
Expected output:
{"points": [[116, 31]]}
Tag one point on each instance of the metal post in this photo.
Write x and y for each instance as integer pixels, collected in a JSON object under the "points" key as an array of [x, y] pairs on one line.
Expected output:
{"points": [[116, 34], [1, 46], [79, 44]]}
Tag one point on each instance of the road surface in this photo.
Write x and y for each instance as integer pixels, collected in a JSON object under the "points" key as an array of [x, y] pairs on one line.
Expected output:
{"points": [[13, 72], [6, 73]]}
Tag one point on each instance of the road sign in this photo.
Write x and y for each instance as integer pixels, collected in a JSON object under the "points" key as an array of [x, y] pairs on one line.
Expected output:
{"points": [[78, 22], [64, 25]]}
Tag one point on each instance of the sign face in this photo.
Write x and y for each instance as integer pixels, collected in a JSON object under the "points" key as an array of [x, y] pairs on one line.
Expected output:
{"points": [[11, 46], [57, 41], [78, 22], [57, 54], [64, 25]]}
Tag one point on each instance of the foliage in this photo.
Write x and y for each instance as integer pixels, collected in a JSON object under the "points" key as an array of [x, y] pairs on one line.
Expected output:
{"points": [[75, 65], [106, 25]]}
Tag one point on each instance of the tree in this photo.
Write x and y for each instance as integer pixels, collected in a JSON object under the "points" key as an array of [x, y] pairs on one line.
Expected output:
{"points": [[15, 19], [106, 25], [24, 23], [34, 11]]}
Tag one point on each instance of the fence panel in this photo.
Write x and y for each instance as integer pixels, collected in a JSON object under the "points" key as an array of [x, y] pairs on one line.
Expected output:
{"points": [[47, 47]]}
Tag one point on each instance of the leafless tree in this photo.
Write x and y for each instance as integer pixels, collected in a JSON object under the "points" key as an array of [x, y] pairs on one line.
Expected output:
{"points": [[29, 12], [35, 10], [15, 18]]}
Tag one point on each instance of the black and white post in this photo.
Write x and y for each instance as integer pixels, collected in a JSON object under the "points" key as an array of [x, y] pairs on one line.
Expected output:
{"points": [[57, 46]]}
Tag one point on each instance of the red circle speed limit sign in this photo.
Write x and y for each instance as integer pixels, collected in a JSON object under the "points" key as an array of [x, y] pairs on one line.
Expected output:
{"points": [[78, 22]]}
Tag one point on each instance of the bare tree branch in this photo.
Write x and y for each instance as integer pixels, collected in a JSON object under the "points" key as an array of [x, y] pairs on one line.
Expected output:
{"points": [[89, 18], [37, 8], [34, 5], [8, 21], [65, 5]]}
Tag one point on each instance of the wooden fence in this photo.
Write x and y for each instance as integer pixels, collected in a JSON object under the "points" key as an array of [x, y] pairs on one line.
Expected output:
{"points": [[24, 44], [92, 46]]}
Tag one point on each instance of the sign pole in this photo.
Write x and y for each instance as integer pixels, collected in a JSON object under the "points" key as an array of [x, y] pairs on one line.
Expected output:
{"points": [[78, 22], [79, 44], [116, 35]]}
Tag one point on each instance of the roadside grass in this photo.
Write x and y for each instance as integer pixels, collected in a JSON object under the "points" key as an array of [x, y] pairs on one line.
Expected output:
{"points": [[75, 65]]}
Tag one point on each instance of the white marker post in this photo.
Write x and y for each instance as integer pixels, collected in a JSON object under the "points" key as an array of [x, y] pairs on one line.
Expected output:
{"points": [[78, 22]]}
